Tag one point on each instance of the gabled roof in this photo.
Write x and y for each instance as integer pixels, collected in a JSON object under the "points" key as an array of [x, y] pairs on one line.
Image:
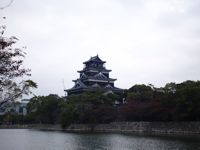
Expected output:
{"points": [[94, 59], [100, 76], [78, 84], [83, 76]]}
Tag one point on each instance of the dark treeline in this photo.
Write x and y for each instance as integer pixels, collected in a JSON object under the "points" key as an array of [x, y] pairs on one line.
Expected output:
{"points": [[174, 102]]}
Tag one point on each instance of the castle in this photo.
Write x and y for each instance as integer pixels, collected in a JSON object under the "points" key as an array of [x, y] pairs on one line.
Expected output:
{"points": [[94, 76]]}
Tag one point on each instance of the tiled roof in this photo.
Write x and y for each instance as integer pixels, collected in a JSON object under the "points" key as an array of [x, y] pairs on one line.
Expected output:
{"points": [[92, 69], [79, 84], [94, 59], [99, 76]]}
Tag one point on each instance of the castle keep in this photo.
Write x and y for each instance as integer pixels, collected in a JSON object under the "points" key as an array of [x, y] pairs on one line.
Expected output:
{"points": [[94, 76]]}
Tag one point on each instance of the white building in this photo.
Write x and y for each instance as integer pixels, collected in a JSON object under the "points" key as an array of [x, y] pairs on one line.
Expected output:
{"points": [[17, 107], [21, 108]]}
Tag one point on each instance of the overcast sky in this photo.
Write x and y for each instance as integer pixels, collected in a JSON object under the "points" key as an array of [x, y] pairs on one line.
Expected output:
{"points": [[143, 41]]}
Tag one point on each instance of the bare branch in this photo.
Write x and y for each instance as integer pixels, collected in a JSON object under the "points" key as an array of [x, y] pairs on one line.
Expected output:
{"points": [[8, 5]]}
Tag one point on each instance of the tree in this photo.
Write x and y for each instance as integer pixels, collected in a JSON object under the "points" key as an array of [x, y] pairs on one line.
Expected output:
{"points": [[89, 107], [6, 5], [45, 109], [140, 92], [12, 86]]}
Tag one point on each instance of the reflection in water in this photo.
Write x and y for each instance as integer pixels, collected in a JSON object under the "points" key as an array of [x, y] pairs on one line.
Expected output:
{"points": [[23, 139]]}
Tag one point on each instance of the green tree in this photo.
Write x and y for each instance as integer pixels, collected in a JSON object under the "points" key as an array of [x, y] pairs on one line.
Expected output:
{"points": [[45, 109], [187, 98], [90, 107], [140, 92]]}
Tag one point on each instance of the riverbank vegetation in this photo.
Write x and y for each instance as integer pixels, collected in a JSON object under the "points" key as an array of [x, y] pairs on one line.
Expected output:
{"points": [[174, 102]]}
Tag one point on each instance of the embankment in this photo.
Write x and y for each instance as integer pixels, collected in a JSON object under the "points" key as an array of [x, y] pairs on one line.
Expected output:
{"points": [[122, 127], [140, 127]]}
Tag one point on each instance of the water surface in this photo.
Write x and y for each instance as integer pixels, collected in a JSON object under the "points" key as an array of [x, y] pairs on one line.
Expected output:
{"points": [[25, 139]]}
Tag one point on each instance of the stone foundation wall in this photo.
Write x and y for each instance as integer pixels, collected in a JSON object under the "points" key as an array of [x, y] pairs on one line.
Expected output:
{"points": [[121, 127], [140, 127]]}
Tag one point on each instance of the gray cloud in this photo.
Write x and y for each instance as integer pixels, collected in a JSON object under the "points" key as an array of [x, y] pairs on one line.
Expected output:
{"points": [[142, 41]]}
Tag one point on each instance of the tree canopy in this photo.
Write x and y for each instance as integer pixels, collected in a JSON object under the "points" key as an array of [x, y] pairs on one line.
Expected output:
{"points": [[12, 86], [173, 102]]}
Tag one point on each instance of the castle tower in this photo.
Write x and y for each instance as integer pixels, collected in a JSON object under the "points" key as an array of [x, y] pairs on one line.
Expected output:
{"points": [[94, 76]]}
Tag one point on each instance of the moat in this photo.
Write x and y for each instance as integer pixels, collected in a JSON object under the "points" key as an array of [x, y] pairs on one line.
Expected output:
{"points": [[26, 139]]}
